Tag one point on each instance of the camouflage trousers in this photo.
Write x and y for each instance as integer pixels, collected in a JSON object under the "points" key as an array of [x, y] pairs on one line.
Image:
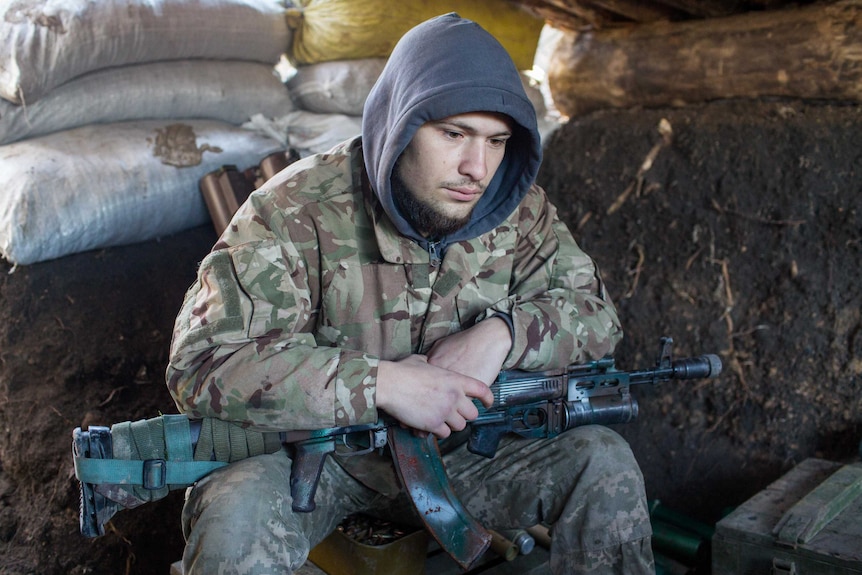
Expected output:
{"points": [[585, 483]]}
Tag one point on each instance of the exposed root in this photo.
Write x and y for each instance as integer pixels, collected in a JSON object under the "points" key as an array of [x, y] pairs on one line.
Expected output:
{"points": [[110, 397], [759, 219], [583, 221], [636, 272], [666, 131]]}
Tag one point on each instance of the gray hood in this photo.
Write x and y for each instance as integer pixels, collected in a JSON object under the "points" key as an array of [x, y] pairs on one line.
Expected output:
{"points": [[443, 67]]}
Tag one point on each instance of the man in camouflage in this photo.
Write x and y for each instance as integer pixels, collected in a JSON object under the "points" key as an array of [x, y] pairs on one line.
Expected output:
{"points": [[400, 272]]}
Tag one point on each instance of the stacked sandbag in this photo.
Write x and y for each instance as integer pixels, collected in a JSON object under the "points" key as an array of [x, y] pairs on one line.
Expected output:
{"points": [[113, 110], [336, 86], [226, 90], [112, 184], [47, 43], [328, 98]]}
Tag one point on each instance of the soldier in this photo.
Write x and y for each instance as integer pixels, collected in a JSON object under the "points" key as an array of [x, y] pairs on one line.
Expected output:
{"points": [[400, 272]]}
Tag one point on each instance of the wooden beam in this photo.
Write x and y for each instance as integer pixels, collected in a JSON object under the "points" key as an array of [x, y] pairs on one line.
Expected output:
{"points": [[566, 15], [636, 10], [707, 8], [812, 53]]}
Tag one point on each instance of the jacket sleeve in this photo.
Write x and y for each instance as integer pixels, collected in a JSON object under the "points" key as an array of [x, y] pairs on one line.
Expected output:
{"points": [[560, 310], [243, 347]]}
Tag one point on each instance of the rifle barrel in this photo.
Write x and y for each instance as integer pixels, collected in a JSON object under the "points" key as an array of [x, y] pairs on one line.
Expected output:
{"points": [[701, 367]]}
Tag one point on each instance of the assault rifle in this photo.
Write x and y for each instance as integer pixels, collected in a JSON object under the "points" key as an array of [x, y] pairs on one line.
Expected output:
{"points": [[172, 451]]}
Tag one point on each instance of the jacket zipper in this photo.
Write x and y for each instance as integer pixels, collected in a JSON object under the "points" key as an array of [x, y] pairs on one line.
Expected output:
{"points": [[434, 253]]}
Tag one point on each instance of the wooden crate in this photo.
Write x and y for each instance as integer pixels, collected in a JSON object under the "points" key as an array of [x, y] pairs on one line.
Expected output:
{"points": [[807, 522]]}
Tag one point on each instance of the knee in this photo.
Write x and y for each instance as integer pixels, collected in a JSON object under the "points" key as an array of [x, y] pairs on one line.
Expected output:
{"points": [[607, 505], [604, 452], [239, 518], [247, 490]]}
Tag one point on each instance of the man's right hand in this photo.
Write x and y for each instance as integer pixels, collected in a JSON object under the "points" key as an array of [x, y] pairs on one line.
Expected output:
{"points": [[427, 397]]}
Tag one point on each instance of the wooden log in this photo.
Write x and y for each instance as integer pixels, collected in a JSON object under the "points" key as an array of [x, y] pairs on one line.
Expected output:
{"points": [[809, 53], [579, 14]]}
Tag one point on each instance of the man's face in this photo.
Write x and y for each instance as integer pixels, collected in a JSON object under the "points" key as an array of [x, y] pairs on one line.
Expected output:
{"points": [[445, 169]]}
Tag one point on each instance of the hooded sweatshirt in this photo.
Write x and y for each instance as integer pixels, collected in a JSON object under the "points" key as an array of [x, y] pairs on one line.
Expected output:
{"points": [[443, 67]]}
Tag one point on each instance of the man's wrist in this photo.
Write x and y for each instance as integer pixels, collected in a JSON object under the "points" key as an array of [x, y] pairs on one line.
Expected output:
{"points": [[506, 336], [507, 319], [381, 399]]}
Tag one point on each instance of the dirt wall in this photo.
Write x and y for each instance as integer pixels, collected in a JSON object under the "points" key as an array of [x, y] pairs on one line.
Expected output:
{"points": [[740, 237]]}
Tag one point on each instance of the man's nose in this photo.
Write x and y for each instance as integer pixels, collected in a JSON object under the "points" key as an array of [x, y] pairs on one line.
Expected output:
{"points": [[473, 161]]}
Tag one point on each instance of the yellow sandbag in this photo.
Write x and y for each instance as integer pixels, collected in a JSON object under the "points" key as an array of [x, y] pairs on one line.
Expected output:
{"points": [[326, 30]]}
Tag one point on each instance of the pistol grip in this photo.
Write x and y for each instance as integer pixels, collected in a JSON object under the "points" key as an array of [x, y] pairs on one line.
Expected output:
{"points": [[308, 459], [484, 439]]}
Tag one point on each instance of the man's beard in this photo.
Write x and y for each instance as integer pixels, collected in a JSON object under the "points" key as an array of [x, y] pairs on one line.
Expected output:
{"points": [[424, 215]]}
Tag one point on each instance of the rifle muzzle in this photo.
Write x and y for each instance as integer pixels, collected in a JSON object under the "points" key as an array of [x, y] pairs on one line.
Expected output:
{"points": [[702, 367]]}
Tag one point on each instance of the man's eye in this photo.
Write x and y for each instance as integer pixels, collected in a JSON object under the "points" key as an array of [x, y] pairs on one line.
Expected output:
{"points": [[497, 142]]}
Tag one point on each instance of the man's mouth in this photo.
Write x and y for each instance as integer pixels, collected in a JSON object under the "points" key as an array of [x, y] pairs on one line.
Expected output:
{"points": [[463, 194]]}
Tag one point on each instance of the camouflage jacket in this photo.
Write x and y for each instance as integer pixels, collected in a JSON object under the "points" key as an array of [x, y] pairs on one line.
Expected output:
{"points": [[311, 286]]}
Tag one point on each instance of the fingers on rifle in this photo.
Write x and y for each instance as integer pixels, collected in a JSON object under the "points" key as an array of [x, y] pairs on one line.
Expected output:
{"points": [[443, 431], [483, 393]]}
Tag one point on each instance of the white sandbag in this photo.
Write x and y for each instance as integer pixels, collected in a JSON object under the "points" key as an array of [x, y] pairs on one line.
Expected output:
{"points": [[335, 87], [48, 42], [307, 132], [113, 184], [230, 91]]}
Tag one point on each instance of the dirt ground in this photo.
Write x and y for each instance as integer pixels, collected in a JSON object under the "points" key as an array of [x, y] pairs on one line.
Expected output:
{"points": [[741, 238]]}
